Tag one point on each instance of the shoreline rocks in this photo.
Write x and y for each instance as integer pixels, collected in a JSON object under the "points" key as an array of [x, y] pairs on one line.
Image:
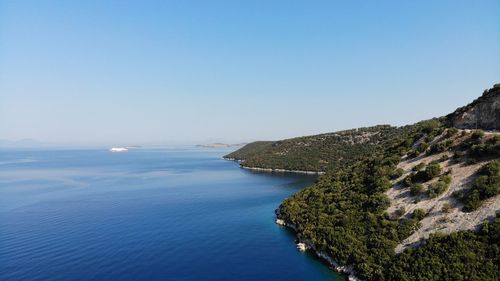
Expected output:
{"points": [[282, 170], [273, 170], [304, 245], [280, 222]]}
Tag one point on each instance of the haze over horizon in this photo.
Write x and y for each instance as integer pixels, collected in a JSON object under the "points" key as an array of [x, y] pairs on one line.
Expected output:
{"points": [[235, 71]]}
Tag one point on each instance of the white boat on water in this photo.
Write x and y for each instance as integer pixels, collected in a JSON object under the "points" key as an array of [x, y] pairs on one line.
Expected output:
{"points": [[118, 149]]}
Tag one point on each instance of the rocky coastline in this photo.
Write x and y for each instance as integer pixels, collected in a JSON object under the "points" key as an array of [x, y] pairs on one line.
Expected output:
{"points": [[282, 170], [348, 271], [260, 169]]}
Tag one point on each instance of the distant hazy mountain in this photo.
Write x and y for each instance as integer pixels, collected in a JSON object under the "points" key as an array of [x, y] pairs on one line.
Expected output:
{"points": [[21, 143], [220, 145]]}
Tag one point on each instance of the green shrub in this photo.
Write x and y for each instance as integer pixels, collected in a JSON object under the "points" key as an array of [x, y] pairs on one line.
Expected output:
{"points": [[438, 188], [440, 146], [443, 158], [430, 126], [490, 148], [408, 180], [437, 148], [413, 154], [486, 185], [477, 134], [450, 132], [400, 211], [446, 208], [445, 179], [382, 184], [432, 171], [422, 147], [473, 201], [416, 189], [491, 169], [397, 173], [419, 214], [419, 166]]}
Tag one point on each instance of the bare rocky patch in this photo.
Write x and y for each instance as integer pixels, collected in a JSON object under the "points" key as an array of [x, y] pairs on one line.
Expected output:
{"points": [[444, 212]]}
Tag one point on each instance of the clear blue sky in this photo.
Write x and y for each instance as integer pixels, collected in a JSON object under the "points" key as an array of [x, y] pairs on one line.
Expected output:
{"points": [[198, 71]]}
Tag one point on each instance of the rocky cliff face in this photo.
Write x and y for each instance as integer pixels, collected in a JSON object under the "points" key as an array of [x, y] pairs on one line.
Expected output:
{"points": [[483, 113]]}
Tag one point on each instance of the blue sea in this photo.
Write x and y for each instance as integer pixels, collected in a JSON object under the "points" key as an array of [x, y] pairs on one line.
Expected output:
{"points": [[147, 214]]}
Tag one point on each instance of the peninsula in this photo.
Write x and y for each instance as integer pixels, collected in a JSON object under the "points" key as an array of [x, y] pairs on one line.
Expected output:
{"points": [[417, 202]]}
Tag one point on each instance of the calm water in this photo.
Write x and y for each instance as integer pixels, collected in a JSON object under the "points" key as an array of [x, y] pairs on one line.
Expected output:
{"points": [[149, 214]]}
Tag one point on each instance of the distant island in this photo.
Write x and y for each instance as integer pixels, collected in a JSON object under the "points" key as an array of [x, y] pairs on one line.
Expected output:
{"points": [[417, 202], [220, 145]]}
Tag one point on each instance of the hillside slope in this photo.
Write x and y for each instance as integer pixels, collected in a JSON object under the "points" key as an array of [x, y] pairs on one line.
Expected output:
{"points": [[444, 210], [419, 202], [316, 153], [365, 216], [249, 150]]}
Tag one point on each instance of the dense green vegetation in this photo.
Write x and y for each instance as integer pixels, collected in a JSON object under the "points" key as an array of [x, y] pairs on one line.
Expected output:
{"points": [[486, 185], [334, 150], [345, 214], [462, 255], [416, 189], [316, 153], [480, 148], [425, 173], [439, 187], [249, 150]]}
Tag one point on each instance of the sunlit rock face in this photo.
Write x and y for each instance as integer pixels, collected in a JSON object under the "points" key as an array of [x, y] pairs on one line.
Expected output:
{"points": [[483, 113]]}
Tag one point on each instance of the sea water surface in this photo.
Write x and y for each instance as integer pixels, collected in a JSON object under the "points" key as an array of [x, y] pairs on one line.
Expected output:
{"points": [[148, 214]]}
